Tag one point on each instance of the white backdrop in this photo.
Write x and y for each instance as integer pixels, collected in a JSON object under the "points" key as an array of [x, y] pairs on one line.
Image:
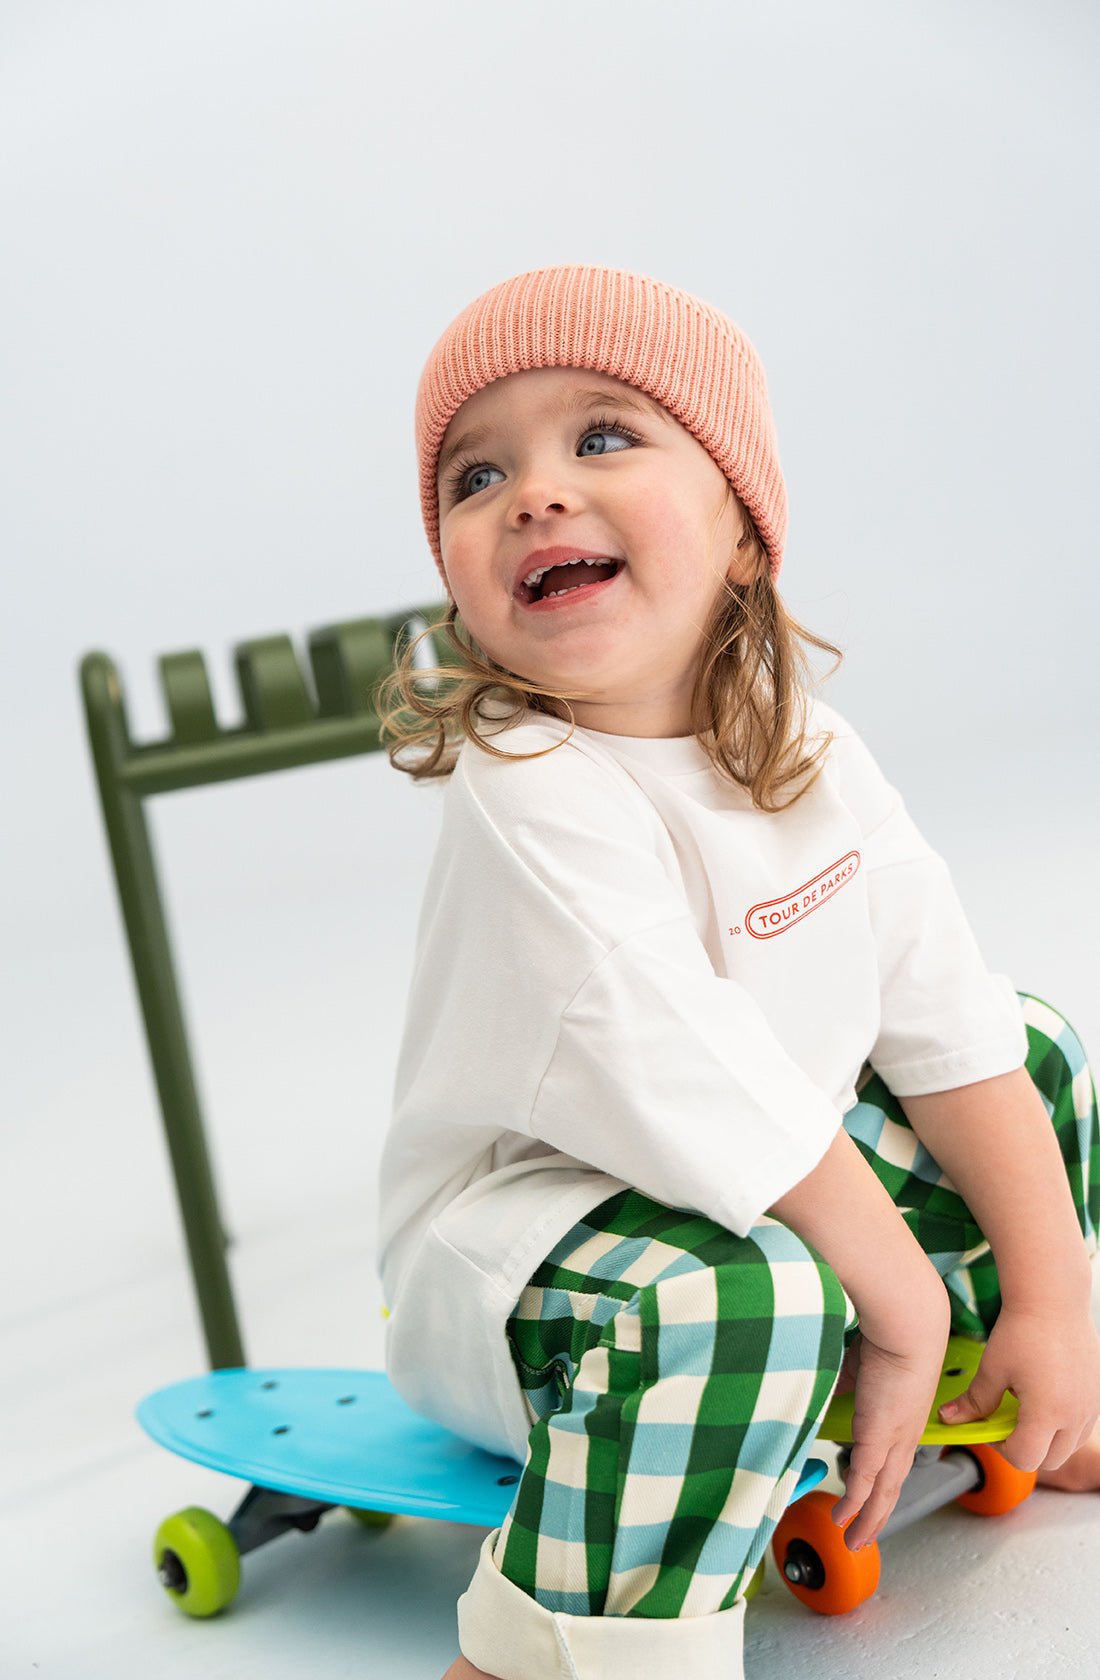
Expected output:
{"points": [[232, 232]]}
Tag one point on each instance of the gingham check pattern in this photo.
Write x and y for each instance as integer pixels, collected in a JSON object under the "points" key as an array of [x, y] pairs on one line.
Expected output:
{"points": [[675, 1373], [936, 1213]]}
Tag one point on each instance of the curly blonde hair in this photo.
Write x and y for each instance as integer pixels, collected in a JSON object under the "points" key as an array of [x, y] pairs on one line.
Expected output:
{"points": [[747, 708]]}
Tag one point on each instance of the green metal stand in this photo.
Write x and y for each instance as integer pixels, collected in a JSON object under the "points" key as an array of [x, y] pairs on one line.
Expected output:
{"points": [[285, 726]]}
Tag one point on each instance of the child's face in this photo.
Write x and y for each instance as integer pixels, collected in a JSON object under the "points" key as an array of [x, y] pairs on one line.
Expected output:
{"points": [[543, 474]]}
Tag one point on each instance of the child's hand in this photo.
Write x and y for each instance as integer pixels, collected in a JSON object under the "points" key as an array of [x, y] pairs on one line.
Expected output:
{"points": [[1052, 1365], [895, 1381], [904, 1317]]}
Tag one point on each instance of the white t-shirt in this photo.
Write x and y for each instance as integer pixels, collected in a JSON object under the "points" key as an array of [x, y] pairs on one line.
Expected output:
{"points": [[626, 975]]}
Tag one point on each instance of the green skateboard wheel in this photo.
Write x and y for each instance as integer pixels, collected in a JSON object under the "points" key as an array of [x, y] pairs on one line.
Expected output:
{"points": [[197, 1561], [756, 1583], [370, 1519]]}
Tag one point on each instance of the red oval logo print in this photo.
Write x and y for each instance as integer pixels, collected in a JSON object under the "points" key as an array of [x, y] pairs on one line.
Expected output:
{"points": [[764, 921]]}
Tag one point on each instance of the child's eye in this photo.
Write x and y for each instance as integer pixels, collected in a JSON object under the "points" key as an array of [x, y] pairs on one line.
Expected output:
{"points": [[604, 428], [472, 484], [466, 477]]}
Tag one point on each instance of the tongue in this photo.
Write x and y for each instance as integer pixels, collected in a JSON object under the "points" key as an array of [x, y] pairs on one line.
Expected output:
{"points": [[576, 575]]}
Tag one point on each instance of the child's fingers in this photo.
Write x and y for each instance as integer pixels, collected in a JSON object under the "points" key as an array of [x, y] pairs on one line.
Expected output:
{"points": [[1054, 1370], [867, 1522], [893, 1394], [1030, 1441], [1063, 1446], [1037, 1443], [1027, 1447], [871, 1489], [982, 1397], [1049, 1425]]}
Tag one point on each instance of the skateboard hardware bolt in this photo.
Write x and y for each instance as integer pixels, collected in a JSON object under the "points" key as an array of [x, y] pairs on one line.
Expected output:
{"points": [[207, 1412], [802, 1566], [506, 1481], [269, 1385], [283, 1429], [346, 1400], [171, 1574]]}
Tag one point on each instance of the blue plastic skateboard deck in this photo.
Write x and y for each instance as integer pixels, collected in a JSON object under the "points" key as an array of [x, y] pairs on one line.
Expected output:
{"points": [[308, 1440], [345, 1437]]}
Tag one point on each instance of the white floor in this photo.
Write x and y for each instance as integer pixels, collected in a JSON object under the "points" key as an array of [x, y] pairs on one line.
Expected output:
{"points": [[294, 1008]]}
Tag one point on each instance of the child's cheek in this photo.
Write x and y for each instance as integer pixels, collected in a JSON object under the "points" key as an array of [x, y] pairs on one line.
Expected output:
{"points": [[659, 531], [455, 562], [470, 590]]}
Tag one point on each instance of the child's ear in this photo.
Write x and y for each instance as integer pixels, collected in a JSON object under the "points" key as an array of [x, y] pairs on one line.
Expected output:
{"points": [[744, 566]]}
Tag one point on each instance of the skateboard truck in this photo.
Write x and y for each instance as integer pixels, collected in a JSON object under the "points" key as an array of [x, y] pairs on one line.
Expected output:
{"points": [[263, 1515]]}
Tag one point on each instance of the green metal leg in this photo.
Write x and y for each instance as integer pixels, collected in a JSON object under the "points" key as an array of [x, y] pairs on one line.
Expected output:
{"points": [[150, 951]]}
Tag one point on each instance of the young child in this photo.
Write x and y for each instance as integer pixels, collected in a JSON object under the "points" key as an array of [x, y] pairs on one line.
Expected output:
{"points": [[702, 1064]]}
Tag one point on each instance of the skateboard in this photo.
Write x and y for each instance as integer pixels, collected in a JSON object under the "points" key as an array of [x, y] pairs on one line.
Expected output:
{"points": [[309, 1441], [953, 1462]]}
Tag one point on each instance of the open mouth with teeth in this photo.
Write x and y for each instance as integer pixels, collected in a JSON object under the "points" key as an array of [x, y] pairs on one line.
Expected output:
{"points": [[547, 583]]}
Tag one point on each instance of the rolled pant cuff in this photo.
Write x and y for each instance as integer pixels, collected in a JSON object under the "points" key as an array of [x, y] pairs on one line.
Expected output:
{"points": [[504, 1631]]}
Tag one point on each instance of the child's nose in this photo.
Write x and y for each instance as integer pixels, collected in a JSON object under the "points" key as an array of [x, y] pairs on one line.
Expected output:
{"points": [[525, 513], [540, 490]]}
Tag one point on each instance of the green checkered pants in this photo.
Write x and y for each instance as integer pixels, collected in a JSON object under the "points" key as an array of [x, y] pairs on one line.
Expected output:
{"points": [[675, 1374]]}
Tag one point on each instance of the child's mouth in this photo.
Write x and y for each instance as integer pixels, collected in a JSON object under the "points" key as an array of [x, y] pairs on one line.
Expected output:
{"points": [[573, 579]]}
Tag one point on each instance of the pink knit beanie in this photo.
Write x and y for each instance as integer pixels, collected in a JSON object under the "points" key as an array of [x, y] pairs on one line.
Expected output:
{"points": [[683, 353]]}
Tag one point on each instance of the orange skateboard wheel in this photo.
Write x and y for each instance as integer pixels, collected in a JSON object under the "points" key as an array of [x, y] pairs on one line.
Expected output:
{"points": [[815, 1564], [1003, 1486]]}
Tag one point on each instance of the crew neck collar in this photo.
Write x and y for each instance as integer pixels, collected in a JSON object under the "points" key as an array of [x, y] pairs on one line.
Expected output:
{"points": [[673, 753]]}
